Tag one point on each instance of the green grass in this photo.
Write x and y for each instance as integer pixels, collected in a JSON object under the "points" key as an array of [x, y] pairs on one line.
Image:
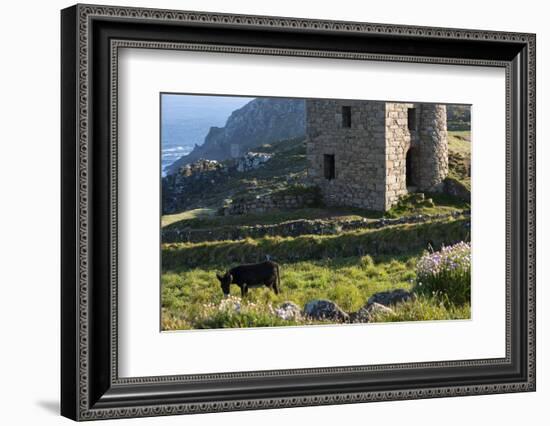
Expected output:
{"points": [[424, 309], [460, 142], [336, 267], [269, 218], [392, 240], [204, 219], [436, 203], [190, 297], [346, 268], [460, 154], [347, 281], [188, 215]]}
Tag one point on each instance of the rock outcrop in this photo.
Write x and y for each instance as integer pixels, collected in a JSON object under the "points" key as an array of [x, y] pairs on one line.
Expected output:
{"points": [[389, 298], [325, 310], [252, 161], [368, 312], [191, 184], [289, 311], [456, 189]]}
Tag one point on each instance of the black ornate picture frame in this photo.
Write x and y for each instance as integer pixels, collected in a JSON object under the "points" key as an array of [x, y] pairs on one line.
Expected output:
{"points": [[91, 36]]}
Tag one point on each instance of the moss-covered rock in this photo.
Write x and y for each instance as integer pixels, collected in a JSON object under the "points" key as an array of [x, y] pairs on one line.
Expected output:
{"points": [[455, 188]]}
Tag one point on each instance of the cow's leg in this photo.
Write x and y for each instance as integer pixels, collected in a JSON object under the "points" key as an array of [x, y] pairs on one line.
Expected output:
{"points": [[277, 280], [273, 286], [244, 290]]}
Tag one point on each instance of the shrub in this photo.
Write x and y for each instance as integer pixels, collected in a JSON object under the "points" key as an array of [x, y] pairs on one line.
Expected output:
{"points": [[445, 273], [366, 261]]}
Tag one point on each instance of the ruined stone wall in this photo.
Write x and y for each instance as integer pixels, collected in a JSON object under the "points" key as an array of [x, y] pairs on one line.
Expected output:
{"points": [[359, 152], [371, 155], [269, 202], [398, 142], [432, 161]]}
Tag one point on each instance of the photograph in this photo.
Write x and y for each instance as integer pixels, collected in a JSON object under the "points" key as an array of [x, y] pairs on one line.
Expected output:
{"points": [[309, 212]]}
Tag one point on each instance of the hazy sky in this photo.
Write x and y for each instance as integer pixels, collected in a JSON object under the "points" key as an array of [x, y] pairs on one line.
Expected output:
{"points": [[175, 106]]}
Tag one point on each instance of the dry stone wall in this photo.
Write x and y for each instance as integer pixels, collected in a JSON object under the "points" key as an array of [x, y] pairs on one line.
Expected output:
{"points": [[269, 202], [295, 228]]}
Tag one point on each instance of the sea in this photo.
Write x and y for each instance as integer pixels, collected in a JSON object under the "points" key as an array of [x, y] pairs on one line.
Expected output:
{"points": [[186, 120]]}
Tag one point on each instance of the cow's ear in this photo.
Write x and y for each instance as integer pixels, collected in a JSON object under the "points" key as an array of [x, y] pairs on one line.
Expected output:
{"points": [[230, 277], [219, 276]]}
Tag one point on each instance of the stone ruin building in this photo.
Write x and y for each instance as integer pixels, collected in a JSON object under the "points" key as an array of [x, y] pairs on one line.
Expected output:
{"points": [[368, 153]]}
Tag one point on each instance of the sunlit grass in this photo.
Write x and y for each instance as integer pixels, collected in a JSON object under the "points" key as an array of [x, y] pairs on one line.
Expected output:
{"points": [[186, 215], [424, 309], [349, 282], [392, 240], [191, 298], [460, 142]]}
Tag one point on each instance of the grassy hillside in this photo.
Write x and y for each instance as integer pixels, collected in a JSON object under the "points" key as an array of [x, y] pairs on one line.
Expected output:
{"points": [[187, 216], [460, 155], [460, 142], [347, 267], [287, 167], [392, 240]]}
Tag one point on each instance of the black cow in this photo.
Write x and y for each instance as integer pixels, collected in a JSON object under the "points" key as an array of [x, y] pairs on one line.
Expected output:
{"points": [[250, 276]]}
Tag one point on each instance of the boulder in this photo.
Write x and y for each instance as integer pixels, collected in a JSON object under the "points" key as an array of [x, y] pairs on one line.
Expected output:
{"points": [[367, 312], [288, 311], [457, 189], [325, 310], [389, 298]]}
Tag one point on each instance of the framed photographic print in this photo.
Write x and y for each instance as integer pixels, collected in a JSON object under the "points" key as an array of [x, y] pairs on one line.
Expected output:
{"points": [[263, 212]]}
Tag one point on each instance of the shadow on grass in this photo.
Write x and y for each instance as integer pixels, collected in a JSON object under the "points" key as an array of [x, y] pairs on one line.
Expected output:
{"points": [[392, 241]]}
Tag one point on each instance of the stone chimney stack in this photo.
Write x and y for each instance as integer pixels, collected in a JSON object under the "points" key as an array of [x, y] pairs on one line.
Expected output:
{"points": [[433, 159]]}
